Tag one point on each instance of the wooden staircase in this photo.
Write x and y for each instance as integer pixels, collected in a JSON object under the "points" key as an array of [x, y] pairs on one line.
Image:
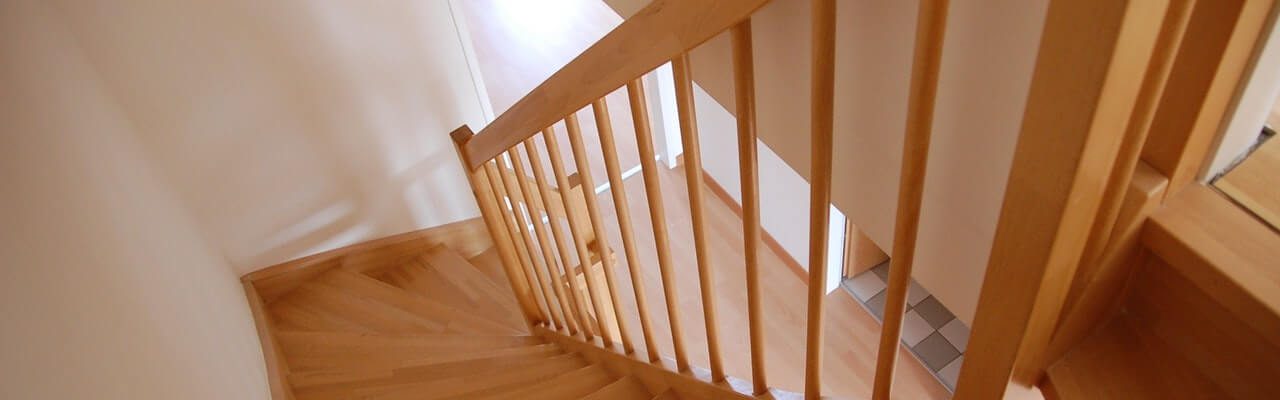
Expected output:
{"points": [[433, 325]]}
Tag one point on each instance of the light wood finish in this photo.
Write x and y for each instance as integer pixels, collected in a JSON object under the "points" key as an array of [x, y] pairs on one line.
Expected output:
{"points": [[822, 115], [692, 159], [1088, 72], [860, 253], [579, 313], [597, 226], [1253, 183], [277, 365], [1210, 66], [1222, 250], [577, 228], [277, 280], [663, 30], [640, 118], [627, 388], [501, 183], [931, 26], [1118, 184], [1103, 282], [442, 276], [769, 241], [482, 190], [744, 82], [552, 288]]}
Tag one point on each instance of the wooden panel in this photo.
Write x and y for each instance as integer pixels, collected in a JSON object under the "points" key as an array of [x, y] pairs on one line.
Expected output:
{"points": [[1221, 40], [1223, 345], [661, 31], [1089, 69], [860, 253], [931, 25], [822, 102], [1253, 183], [1224, 251]]}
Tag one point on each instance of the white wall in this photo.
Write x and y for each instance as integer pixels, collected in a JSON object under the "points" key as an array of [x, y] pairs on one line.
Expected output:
{"points": [[292, 127], [153, 151], [1252, 107], [108, 288]]}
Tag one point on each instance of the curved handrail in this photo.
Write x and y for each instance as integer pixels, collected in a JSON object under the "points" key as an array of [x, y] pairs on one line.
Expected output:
{"points": [[661, 31]]}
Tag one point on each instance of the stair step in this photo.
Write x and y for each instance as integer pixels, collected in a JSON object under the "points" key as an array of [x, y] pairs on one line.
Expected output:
{"points": [[1120, 362], [570, 385], [295, 317], [625, 388], [357, 362], [464, 386], [371, 315], [489, 263], [443, 276], [667, 395], [454, 320], [303, 342], [484, 367]]}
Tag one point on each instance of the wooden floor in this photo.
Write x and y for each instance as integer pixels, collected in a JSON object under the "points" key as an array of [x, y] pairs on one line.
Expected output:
{"points": [[1255, 183], [518, 46]]}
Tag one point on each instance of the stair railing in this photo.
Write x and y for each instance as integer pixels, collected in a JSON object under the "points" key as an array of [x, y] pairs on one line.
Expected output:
{"points": [[547, 287]]}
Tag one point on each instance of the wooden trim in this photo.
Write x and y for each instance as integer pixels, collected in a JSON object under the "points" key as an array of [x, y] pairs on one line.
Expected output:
{"points": [[769, 241], [1224, 251], [1089, 69], [469, 237], [1208, 73], [661, 31], [277, 364]]}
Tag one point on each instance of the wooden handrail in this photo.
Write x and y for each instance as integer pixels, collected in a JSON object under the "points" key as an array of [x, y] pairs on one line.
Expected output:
{"points": [[661, 31], [931, 25]]}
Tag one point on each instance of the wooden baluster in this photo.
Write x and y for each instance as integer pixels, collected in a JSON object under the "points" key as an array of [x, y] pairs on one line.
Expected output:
{"points": [[640, 117], [930, 28], [512, 178], [539, 175], [483, 190], [693, 178], [508, 218], [584, 255], [593, 211], [822, 102], [556, 288], [744, 84]]}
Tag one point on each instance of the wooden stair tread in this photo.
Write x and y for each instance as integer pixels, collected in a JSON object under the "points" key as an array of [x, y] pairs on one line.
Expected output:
{"points": [[452, 319], [463, 386], [667, 395], [371, 315], [443, 276], [501, 370], [310, 342], [489, 263], [570, 385], [392, 361], [625, 388], [1120, 362], [309, 372]]}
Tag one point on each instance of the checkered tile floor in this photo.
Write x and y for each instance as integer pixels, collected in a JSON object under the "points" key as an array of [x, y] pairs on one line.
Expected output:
{"points": [[933, 334]]}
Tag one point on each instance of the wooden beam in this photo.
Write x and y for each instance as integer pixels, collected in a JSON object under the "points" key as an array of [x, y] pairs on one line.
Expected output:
{"points": [[1093, 56]]}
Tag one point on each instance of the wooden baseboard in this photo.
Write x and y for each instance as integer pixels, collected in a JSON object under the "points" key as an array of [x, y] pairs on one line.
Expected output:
{"points": [[468, 237], [769, 241], [277, 367]]}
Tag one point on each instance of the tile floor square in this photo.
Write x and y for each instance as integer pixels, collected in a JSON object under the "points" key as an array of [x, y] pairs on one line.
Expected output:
{"points": [[876, 304], [956, 333], [934, 312], [950, 374], [916, 293], [865, 286], [882, 271], [914, 328], [935, 351]]}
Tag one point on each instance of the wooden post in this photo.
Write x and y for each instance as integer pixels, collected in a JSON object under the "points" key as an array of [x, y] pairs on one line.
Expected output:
{"points": [[539, 175], [693, 178], [1093, 54], [745, 86], [823, 118]]}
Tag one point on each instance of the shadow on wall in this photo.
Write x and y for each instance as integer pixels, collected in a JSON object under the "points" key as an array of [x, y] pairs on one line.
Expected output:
{"points": [[292, 127]]}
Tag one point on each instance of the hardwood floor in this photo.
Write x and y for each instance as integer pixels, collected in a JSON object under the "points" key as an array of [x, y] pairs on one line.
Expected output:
{"points": [[852, 332], [519, 46]]}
